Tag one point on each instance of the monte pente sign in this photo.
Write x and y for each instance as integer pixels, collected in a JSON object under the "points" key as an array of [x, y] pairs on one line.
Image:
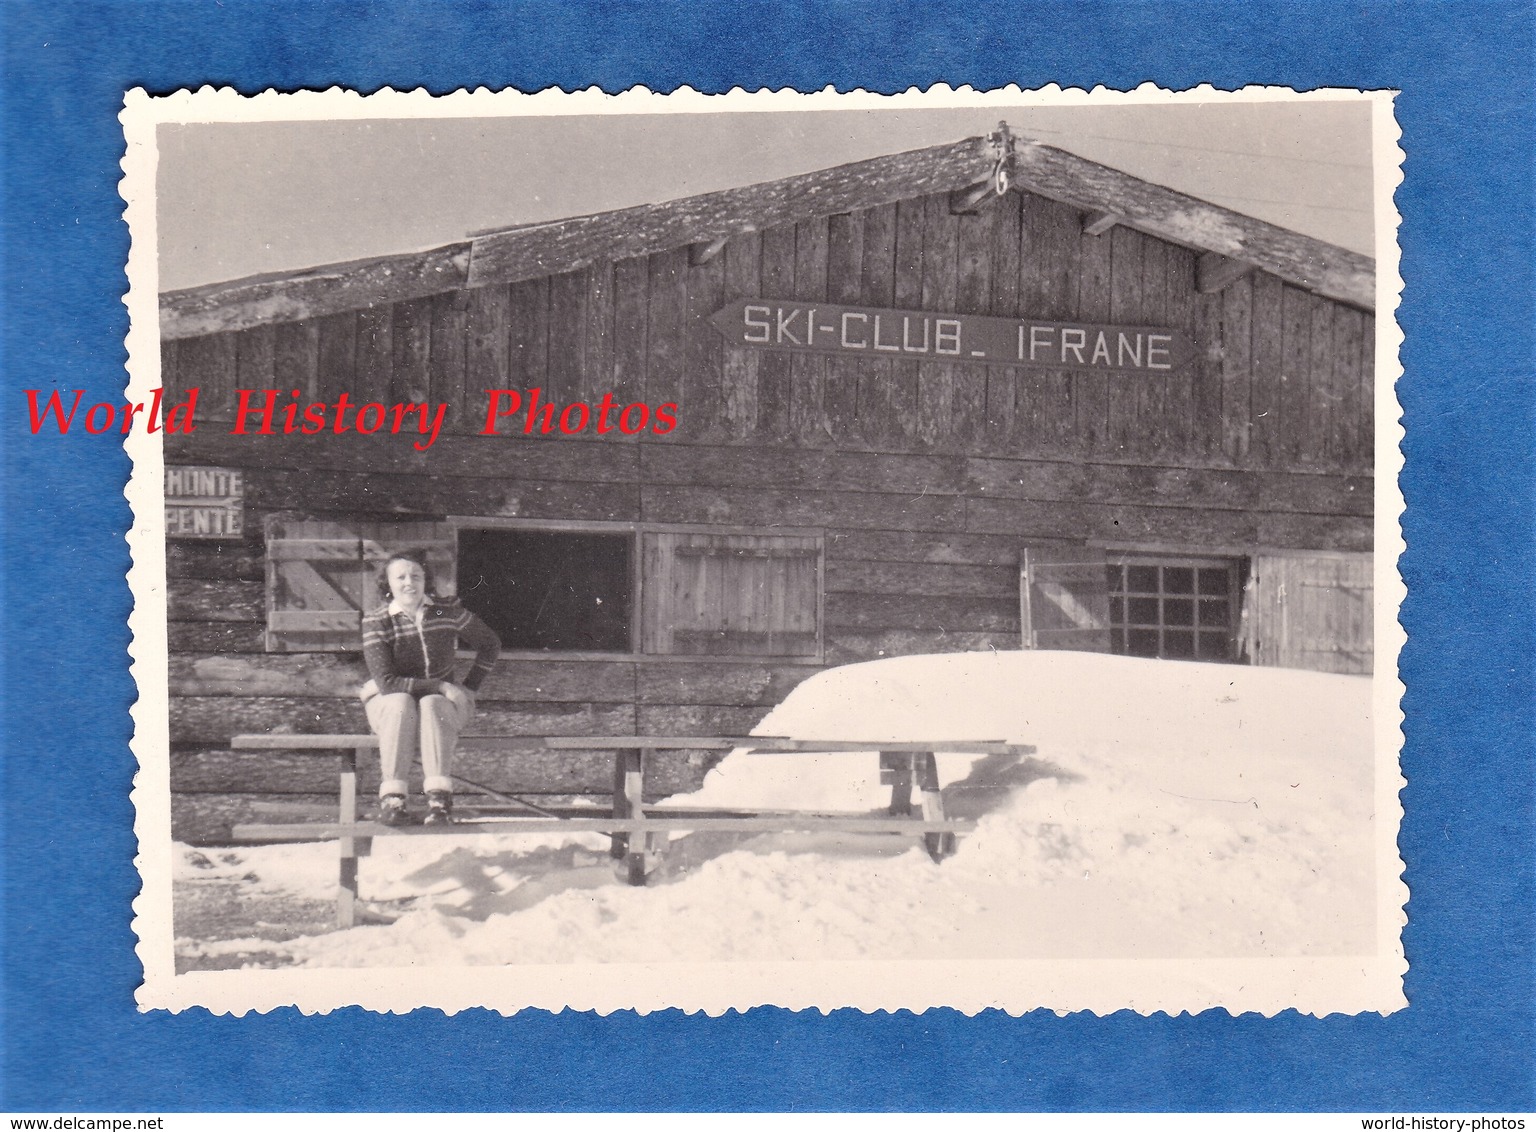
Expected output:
{"points": [[874, 332]]}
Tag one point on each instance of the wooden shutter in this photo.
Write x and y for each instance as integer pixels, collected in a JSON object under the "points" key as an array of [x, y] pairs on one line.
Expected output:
{"points": [[732, 595], [322, 576], [1064, 598], [1310, 611]]}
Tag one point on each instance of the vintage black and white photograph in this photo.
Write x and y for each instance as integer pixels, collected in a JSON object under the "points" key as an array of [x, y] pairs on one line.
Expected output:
{"points": [[640, 552]]}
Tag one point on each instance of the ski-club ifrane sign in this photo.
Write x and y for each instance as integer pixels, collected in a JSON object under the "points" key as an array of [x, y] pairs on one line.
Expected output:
{"points": [[830, 328]]}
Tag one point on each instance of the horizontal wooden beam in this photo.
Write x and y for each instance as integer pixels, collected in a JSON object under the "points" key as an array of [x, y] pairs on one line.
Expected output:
{"points": [[1215, 272], [211, 720], [1097, 223], [776, 745], [1333, 272], [474, 456], [758, 743], [1099, 480], [492, 809], [330, 831], [291, 296], [542, 680], [298, 775]]}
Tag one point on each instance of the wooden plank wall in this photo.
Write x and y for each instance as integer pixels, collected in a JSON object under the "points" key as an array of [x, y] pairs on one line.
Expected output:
{"points": [[927, 478], [1282, 378], [223, 683]]}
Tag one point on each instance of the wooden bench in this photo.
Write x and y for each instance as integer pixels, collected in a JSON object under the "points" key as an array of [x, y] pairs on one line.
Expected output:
{"points": [[635, 834]]}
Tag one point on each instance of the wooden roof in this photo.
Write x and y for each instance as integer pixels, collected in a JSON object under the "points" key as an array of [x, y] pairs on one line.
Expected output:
{"points": [[1231, 240]]}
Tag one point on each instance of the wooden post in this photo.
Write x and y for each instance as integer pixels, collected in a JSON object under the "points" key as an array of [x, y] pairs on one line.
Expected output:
{"points": [[634, 793], [939, 845], [618, 846], [346, 892], [363, 845], [896, 768]]}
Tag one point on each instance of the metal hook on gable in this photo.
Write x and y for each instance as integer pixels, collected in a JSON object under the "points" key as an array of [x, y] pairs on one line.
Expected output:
{"points": [[1003, 141]]}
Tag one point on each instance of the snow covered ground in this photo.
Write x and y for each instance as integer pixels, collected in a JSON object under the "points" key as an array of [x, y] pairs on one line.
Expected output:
{"points": [[1173, 810]]}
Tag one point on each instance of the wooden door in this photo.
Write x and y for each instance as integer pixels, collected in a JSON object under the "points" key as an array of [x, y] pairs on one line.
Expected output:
{"points": [[1310, 611]]}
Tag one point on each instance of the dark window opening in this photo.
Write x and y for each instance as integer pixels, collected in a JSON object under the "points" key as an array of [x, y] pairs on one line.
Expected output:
{"points": [[1181, 609], [549, 590]]}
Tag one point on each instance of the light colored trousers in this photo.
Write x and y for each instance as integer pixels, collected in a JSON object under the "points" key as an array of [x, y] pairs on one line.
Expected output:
{"points": [[429, 727]]}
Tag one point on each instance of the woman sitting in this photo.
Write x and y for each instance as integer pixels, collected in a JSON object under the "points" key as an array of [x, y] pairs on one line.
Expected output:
{"points": [[412, 700]]}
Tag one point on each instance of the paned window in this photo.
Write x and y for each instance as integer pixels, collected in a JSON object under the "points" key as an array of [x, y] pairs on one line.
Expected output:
{"points": [[1179, 608]]}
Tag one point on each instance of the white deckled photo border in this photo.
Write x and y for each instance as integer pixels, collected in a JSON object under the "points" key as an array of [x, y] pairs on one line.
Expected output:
{"points": [[1321, 985]]}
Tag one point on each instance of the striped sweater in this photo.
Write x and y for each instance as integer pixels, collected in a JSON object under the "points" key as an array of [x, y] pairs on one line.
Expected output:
{"points": [[404, 656]]}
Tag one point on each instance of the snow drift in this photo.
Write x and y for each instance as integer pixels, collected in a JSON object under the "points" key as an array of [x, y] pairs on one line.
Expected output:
{"points": [[1172, 810]]}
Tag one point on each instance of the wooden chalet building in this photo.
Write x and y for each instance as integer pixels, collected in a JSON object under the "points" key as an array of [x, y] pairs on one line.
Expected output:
{"points": [[898, 431]]}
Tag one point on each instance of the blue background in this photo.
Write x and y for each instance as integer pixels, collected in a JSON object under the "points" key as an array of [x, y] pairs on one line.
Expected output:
{"points": [[72, 1038]]}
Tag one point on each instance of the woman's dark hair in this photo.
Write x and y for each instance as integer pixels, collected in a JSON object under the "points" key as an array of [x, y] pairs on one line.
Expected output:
{"points": [[417, 556]]}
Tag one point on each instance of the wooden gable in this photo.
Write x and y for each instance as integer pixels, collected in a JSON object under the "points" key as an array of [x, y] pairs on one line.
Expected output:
{"points": [[1280, 378], [971, 171]]}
